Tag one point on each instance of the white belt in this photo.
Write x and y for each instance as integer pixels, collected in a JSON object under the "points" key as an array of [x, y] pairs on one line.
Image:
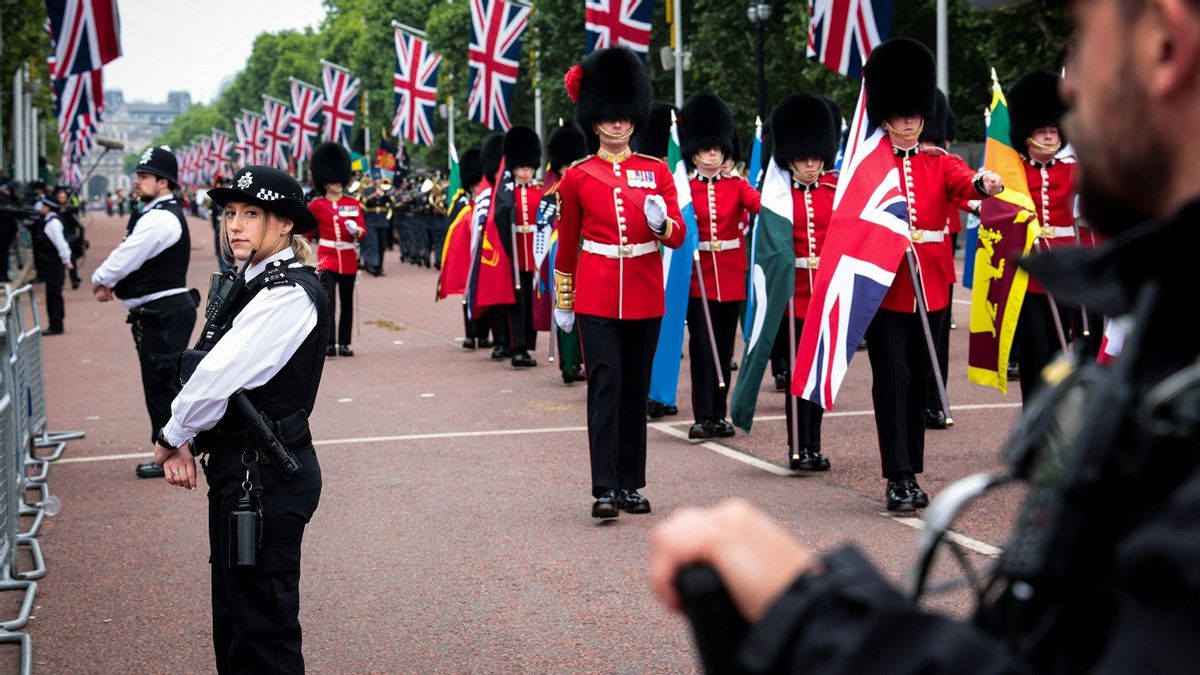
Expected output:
{"points": [[620, 250], [809, 263], [927, 236], [526, 229], [1056, 232], [339, 245], [719, 245]]}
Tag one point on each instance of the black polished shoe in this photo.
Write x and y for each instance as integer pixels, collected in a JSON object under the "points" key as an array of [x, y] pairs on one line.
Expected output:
{"points": [[1014, 371], [578, 374], [811, 460], [150, 470], [654, 409], [701, 430], [935, 419], [781, 382], [670, 410], [523, 360], [899, 497], [345, 350], [469, 344], [57, 330], [723, 429], [605, 505], [499, 352], [733, 365], [331, 350], [632, 502], [862, 345], [484, 343], [568, 377], [920, 499]]}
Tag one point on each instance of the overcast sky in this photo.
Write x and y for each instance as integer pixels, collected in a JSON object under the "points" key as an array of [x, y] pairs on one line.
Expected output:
{"points": [[170, 45]]}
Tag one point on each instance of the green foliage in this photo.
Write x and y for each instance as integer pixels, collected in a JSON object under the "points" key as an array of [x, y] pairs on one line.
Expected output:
{"points": [[357, 34], [25, 43]]}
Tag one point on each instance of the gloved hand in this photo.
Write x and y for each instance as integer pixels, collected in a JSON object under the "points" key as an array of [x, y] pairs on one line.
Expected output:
{"points": [[565, 319], [354, 228], [656, 213]]}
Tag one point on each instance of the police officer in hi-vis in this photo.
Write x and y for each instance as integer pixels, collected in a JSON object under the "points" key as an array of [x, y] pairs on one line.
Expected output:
{"points": [[617, 209]]}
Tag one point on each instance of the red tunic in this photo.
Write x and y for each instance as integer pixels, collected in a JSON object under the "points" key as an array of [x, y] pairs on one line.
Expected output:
{"points": [[721, 203], [812, 209], [593, 211], [335, 244], [525, 205], [1052, 187], [933, 183]]}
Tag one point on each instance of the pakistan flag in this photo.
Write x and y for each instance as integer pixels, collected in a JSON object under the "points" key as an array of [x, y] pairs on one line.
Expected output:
{"points": [[771, 283]]}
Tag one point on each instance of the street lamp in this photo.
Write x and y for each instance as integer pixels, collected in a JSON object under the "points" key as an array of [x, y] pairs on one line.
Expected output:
{"points": [[759, 13]]}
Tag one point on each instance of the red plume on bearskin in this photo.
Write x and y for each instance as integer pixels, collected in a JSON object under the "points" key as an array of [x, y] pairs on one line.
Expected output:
{"points": [[572, 81]]}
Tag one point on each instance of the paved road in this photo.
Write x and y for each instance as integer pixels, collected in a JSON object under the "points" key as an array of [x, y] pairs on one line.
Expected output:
{"points": [[454, 531]]}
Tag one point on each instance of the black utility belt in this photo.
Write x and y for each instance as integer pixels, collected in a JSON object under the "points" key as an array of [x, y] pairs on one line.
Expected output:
{"points": [[189, 299], [292, 431]]}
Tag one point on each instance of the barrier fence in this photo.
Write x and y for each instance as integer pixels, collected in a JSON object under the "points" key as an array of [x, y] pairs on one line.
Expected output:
{"points": [[27, 448]]}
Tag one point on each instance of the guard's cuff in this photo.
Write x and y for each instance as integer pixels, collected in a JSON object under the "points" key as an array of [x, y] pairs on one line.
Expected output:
{"points": [[668, 226], [564, 291], [173, 434]]}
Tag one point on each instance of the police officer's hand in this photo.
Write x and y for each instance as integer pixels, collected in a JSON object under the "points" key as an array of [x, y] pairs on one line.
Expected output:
{"points": [[753, 555], [102, 293], [178, 465]]}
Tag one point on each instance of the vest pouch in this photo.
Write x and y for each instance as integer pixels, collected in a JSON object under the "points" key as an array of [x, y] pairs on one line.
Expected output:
{"points": [[292, 431], [189, 360]]}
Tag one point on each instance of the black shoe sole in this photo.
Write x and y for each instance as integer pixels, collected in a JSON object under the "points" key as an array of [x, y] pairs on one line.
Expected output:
{"points": [[901, 508], [605, 511], [804, 466], [637, 509]]}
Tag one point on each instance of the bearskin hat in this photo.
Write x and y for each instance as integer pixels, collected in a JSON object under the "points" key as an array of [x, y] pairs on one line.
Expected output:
{"points": [[900, 78], [802, 126], [470, 169], [705, 122], [565, 145], [653, 138], [522, 147], [490, 156], [934, 130], [1033, 103], [330, 164], [612, 85]]}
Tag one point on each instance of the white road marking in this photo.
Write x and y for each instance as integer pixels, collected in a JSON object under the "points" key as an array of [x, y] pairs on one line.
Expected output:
{"points": [[426, 395], [864, 413], [983, 548], [725, 451], [345, 400], [397, 342], [961, 302], [91, 418]]}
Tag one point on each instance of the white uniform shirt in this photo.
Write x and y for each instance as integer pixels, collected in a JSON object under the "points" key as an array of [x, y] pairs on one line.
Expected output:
{"points": [[264, 335], [155, 231], [54, 232]]}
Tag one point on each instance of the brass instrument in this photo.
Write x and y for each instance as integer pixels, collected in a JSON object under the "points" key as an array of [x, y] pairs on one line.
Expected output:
{"points": [[436, 196]]}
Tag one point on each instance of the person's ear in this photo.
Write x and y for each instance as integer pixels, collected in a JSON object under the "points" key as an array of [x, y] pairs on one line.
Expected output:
{"points": [[1175, 45]]}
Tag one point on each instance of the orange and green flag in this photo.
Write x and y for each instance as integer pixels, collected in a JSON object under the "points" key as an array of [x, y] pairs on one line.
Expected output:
{"points": [[1007, 227]]}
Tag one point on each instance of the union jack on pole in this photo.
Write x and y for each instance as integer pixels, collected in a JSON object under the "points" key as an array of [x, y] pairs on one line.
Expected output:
{"points": [[275, 132], [868, 236], [494, 55], [86, 35], [251, 138], [218, 154], [842, 33], [415, 87], [341, 97], [79, 104], [619, 23], [306, 105]]}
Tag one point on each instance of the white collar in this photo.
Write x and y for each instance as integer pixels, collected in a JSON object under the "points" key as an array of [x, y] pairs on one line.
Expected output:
{"points": [[262, 266], [156, 200]]}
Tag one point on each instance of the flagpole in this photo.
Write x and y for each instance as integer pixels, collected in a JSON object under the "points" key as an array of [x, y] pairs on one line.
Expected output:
{"points": [[1058, 326], [712, 339], [793, 403], [924, 313], [677, 25]]}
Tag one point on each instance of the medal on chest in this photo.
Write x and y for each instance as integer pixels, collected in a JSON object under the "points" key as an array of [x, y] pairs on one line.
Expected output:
{"points": [[347, 211], [636, 178]]}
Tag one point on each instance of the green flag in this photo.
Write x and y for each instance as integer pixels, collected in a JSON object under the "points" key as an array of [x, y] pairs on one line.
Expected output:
{"points": [[771, 283]]}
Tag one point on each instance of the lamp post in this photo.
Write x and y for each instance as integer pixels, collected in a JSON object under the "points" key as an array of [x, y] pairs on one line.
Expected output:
{"points": [[759, 12]]}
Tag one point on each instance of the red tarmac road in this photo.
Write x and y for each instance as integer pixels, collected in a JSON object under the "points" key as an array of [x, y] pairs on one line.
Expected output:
{"points": [[454, 532]]}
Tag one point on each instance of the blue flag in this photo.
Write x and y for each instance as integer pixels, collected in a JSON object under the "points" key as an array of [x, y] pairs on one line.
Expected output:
{"points": [[755, 174]]}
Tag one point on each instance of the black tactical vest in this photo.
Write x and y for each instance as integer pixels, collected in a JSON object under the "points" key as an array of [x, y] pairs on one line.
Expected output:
{"points": [[165, 271]]}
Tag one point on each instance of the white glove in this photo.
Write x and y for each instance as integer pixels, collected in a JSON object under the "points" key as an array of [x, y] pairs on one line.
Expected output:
{"points": [[353, 227], [656, 213], [565, 319]]}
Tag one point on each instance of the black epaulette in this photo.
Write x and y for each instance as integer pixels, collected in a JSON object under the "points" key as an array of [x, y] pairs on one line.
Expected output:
{"points": [[657, 159], [277, 275]]}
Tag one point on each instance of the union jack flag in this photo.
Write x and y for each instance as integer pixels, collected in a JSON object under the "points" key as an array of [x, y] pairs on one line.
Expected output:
{"points": [[218, 154], [86, 35], [619, 23], [306, 104], [842, 33], [275, 132], [251, 143], [341, 97], [415, 86], [868, 235], [495, 53], [79, 104]]}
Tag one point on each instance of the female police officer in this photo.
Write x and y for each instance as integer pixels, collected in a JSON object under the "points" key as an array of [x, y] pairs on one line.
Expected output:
{"points": [[273, 351]]}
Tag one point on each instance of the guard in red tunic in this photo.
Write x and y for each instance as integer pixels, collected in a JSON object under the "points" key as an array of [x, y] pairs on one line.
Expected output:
{"points": [[617, 209], [516, 221], [805, 136], [339, 227], [721, 200], [1035, 129], [900, 98]]}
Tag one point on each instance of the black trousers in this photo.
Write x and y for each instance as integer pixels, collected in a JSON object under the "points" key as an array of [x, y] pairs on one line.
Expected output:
{"points": [[899, 367], [780, 359], [520, 316], [810, 414], [496, 317], [709, 401], [941, 344], [55, 309], [376, 241], [477, 328], [617, 354], [345, 292], [161, 330], [256, 624], [1037, 342]]}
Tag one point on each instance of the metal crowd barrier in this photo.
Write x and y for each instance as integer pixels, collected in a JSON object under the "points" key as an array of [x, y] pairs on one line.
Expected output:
{"points": [[23, 429]]}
